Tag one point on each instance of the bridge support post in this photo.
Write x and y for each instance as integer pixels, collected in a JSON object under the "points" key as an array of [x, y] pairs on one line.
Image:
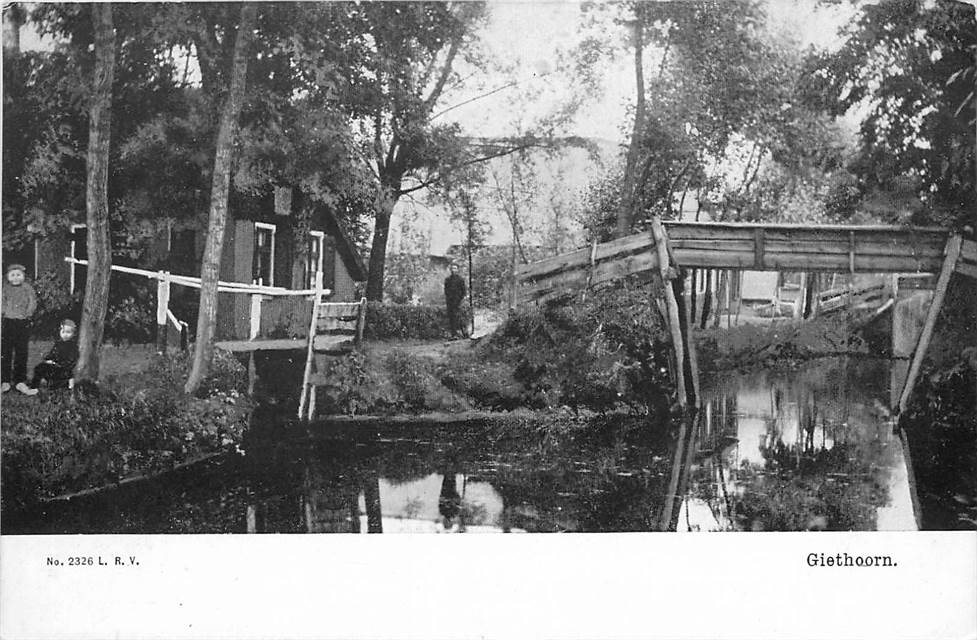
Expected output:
{"points": [[679, 342], [952, 254]]}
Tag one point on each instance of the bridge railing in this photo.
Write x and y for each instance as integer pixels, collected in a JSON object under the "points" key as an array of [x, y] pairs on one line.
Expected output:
{"points": [[759, 247]]}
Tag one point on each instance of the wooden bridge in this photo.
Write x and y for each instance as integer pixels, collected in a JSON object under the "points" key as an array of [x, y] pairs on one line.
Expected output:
{"points": [[675, 246], [756, 247]]}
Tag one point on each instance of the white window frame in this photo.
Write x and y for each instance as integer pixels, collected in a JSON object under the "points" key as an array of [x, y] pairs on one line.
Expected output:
{"points": [[320, 238], [271, 267], [74, 267]]}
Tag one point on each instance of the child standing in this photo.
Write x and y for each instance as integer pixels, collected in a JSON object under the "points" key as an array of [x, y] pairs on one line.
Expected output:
{"points": [[19, 304], [59, 363]]}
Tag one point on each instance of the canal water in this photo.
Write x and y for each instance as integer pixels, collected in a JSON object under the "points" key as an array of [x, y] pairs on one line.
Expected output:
{"points": [[809, 449]]}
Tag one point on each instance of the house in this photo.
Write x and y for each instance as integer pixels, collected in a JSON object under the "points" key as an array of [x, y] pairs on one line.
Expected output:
{"points": [[264, 243]]}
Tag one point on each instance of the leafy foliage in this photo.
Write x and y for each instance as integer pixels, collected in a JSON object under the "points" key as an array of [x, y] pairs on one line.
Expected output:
{"points": [[910, 65], [608, 350], [66, 441], [385, 321]]}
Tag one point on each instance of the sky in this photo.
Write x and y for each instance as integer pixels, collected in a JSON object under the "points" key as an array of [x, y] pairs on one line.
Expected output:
{"points": [[529, 36]]}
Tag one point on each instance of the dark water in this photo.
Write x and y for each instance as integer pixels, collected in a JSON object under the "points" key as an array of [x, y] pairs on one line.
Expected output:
{"points": [[810, 449]]}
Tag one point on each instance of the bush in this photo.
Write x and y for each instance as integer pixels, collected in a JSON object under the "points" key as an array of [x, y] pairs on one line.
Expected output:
{"points": [[130, 317], [407, 322], [54, 304], [63, 441], [227, 377], [599, 353], [130, 321]]}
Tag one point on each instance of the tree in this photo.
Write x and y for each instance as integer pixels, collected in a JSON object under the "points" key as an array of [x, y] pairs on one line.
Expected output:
{"points": [[717, 112], [96, 199], [625, 216], [910, 66], [410, 61], [210, 265]]}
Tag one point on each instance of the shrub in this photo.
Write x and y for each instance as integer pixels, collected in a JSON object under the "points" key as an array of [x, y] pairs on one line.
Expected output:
{"points": [[54, 303], [606, 350], [63, 441], [227, 377], [406, 322], [130, 321]]}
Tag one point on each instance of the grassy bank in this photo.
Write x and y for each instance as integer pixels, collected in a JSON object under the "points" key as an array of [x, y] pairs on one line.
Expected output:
{"points": [[138, 421], [606, 354]]}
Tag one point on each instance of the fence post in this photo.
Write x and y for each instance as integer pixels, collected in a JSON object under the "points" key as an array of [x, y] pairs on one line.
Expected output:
{"points": [[255, 326], [162, 304], [253, 330]]}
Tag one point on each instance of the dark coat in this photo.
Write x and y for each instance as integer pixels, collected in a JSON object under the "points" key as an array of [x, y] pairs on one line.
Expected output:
{"points": [[64, 353], [454, 290]]}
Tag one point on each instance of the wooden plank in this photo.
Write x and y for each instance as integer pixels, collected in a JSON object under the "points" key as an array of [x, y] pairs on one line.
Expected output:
{"points": [[968, 251], [282, 344], [793, 261], [701, 244], [581, 257], [967, 269], [862, 247], [677, 226], [604, 272], [949, 264], [339, 309]]}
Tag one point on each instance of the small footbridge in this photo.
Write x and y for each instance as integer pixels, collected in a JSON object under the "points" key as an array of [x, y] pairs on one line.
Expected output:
{"points": [[671, 249]]}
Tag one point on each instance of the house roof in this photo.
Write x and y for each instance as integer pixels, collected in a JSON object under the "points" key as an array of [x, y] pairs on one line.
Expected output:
{"points": [[344, 244]]}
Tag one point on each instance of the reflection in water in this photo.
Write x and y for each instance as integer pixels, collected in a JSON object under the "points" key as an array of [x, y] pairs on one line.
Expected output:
{"points": [[810, 449]]}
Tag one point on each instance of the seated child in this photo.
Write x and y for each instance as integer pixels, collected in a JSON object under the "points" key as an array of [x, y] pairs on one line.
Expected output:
{"points": [[59, 363]]}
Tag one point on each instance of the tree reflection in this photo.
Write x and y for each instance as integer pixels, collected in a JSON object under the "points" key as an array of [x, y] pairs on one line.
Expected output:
{"points": [[816, 458]]}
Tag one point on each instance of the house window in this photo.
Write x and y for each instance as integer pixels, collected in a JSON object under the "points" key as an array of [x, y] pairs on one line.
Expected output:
{"points": [[313, 259], [79, 251], [263, 263]]}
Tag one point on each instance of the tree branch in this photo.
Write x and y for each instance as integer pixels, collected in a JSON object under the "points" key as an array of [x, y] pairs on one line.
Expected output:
{"points": [[443, 78], [470, 100]]}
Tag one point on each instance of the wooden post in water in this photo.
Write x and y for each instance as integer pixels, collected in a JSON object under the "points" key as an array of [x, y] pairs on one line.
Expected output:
{"points": [[949, 264], [162, 305], [693, 360], [674, 324]]}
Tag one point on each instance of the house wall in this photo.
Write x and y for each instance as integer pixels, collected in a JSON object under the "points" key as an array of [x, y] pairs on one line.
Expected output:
{"points": [[234, 309]]}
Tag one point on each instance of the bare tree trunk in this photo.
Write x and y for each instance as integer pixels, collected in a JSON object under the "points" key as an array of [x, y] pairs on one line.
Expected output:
{"points": [[97, 199], [203, 353], [625, 215]]}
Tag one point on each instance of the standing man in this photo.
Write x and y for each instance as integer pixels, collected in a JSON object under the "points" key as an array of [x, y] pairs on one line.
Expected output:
{"points": [[454, 293]]}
